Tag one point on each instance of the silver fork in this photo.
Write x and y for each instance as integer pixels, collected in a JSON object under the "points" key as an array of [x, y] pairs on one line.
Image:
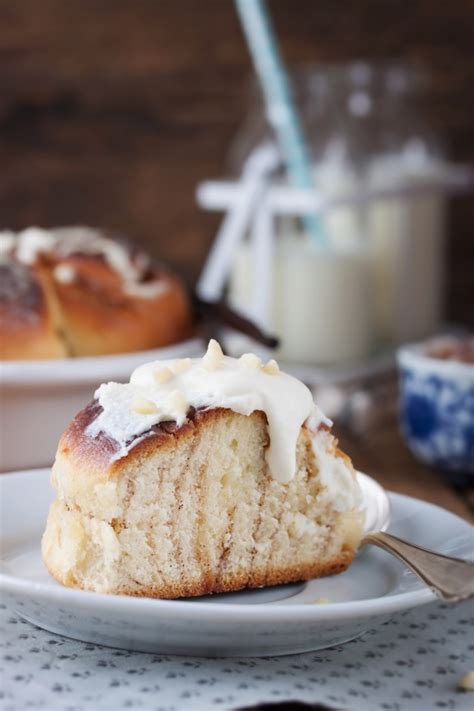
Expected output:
{"points": [[452, 579]]}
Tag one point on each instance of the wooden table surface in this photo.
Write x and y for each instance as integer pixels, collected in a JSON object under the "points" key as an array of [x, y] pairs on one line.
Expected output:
{"points": [[383, 455]]}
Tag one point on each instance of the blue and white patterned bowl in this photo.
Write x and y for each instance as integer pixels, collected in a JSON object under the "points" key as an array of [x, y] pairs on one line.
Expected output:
{"points": [[437, 407]]}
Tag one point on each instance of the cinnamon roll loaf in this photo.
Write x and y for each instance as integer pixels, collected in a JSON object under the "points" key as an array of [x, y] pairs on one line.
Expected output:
{"points": [[79, 292], [200, 476]]}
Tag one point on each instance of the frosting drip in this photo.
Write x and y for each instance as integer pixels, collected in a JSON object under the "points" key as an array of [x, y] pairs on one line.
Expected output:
{"points": [[165, 390]]}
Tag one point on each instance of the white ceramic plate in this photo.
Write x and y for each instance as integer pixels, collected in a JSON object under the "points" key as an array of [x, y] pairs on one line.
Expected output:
{"points": [[272, 621], [61, 388]]}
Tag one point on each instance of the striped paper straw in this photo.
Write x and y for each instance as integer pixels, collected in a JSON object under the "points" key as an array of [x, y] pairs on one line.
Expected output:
{"points": [[281, 110]]}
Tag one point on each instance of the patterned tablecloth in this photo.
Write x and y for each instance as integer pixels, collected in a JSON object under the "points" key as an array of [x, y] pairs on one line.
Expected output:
{"points": [[411, 662]]}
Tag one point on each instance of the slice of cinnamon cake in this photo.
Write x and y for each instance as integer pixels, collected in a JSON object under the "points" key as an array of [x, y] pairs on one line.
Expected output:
{"points": [[200, 476]]}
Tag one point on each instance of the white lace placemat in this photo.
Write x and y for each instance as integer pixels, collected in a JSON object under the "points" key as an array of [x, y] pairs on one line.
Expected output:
{"points": [[411, 662]]}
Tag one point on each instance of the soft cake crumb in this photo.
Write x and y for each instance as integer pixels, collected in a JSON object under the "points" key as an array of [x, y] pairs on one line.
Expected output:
{"points": [[271, 368], [321, 601], [142, 406], [162, 375], [466, 682], [250, 360], [180, 365]]}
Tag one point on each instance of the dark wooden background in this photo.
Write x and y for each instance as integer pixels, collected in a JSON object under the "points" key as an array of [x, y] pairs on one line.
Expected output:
{"points": [[112, 110]]}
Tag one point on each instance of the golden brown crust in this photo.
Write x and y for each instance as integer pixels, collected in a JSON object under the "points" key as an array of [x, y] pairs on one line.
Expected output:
{"points": [[207, 586], [27, 314], [94, 456], [99, 318], [93, 314]]}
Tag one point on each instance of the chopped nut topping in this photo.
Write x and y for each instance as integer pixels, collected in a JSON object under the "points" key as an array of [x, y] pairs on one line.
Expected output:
{"points": [[271, 368], [162, 375], [214, 356], [466, 682], [142, 406], [64, 273], [250, 360], [180, 365], [177, 402], [214, 349]]}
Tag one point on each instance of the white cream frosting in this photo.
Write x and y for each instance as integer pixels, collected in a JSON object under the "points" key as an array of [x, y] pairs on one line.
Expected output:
{"points": [[29, 244], [164, 390], [335, 475], [146, 290], [32, 242], [7, 243]]}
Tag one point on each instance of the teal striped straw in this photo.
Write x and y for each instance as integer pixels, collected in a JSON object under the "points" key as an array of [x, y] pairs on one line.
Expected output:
{"points": [[281, 110]]}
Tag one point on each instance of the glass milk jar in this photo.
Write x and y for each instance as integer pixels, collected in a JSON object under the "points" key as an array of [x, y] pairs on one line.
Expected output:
{"points": [[407, 245], [320, 302], [381, 278]]}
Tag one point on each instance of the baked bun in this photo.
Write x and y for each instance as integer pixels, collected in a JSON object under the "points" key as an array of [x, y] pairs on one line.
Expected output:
{"points": [[79, 292], [197, 477]]}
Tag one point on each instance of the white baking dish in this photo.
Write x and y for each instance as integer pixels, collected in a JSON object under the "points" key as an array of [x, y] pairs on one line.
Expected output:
{"points": [[39, 398]]}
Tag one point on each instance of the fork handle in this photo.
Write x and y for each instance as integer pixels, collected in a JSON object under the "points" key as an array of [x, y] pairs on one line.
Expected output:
{"points": [[450, 578]]}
